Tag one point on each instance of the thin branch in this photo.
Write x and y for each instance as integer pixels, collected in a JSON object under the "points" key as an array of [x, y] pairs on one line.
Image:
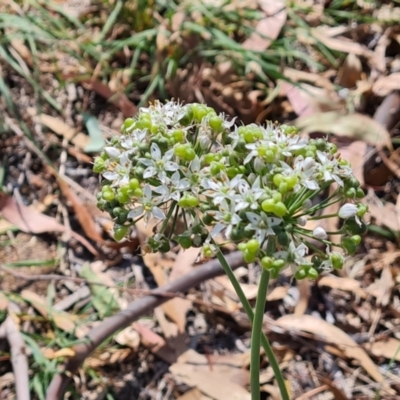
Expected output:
{"points": [[60, 306], [136, 309], [19, 359]]}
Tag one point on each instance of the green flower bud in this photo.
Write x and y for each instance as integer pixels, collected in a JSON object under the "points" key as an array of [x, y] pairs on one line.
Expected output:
{"points": [[253, 245], [99, 165], [337, 260], [120, 231]]}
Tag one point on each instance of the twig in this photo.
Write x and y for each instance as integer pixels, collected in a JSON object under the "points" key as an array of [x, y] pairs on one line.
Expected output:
{"points": [[144, 292], [124, 318], [19, 360]]}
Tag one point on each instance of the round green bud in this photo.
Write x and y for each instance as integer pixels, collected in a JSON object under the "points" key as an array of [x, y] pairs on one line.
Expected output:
{"points": [[312, 273], [268, 205], [120, 231], [301, 273], [280, 209], [337, 260], [278, 179], [108, 195], [199, 112], [249, 257], [253, 245], [178, 136], [185, 241], [360, 193], [267, 262], [215, 123]]}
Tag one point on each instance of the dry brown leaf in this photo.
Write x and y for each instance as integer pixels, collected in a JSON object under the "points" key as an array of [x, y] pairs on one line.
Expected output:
{"points": [[307, 99], [342, 283], [385, 214], [58, 126], [194, 394], [128, 337], [295, 75], [63, 320], [305, 293], [389, 348], [184, 262], [355, 152], [269, 27], [382, 288], [333, 335], [355, 126], [219, 381], [342, 44], [250, 290], [155, 343], [350, 72], [119, 100], [51, 354], [31, 221], [386, 84]]}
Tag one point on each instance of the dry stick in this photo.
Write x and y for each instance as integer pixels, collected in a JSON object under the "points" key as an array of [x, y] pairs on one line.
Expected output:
{"points": [[136, 309], [59, 306], [19, 359]]}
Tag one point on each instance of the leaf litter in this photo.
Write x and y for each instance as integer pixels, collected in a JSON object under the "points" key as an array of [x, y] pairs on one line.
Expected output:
{"points": [[337, 80]]}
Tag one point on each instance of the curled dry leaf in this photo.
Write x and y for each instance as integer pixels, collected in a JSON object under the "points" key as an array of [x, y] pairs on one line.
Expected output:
{"points": [[58, 126], [343, 44], [389, 348], [307, 100], [217, 379], [355, 126], [269, 27], [342, 283], [334, 336], [31, 221], [382, 288], [350, 72], [155, 343], [386, 84]]}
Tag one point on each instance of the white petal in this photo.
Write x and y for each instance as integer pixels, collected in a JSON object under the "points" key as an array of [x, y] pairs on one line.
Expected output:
{"points": [[110, 175], [149, 172], [155, 151], [136, 212], [171, 166], [347, 211], [319, 233], [253, 218], [112, 152], [158, 213]]}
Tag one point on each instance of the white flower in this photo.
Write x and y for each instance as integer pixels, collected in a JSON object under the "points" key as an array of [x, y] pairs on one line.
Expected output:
{"points": [[227, 217], [147, 207], [158, 164], [319, 233], [174, 187], [248, 197], [261, 224], [348, 210], [220, 191]]}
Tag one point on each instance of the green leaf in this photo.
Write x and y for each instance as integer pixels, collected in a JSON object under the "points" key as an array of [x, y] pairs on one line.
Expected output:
{"points": [[97, 141], [102, 298]]}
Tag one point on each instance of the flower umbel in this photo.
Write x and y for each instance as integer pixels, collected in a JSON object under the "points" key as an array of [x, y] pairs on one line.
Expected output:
{"points": [[257, 185]]}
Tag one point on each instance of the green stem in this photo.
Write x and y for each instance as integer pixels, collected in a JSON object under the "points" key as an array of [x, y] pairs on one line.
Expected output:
{"points": [[249, 311], [256, 335]]}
